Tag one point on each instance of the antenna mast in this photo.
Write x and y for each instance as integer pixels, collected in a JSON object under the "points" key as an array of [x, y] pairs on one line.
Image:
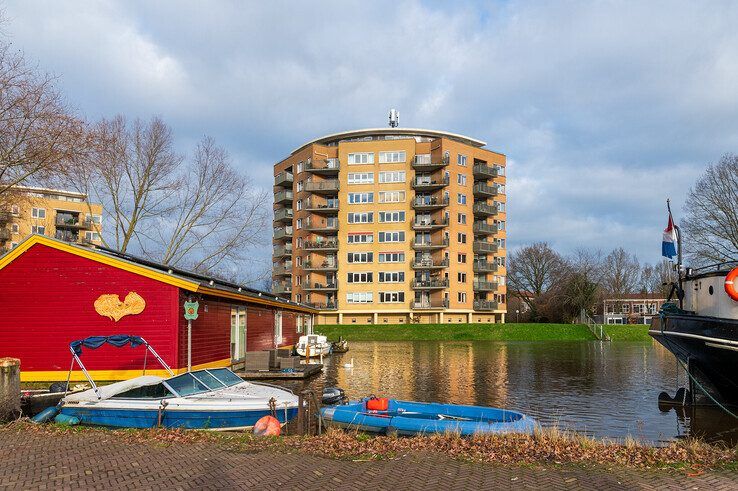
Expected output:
{"points": [[394, 118]]}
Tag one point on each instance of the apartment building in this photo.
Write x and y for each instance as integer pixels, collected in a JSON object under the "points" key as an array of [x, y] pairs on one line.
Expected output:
{"points": [[392, 225], [64, 215], [635, 308]]}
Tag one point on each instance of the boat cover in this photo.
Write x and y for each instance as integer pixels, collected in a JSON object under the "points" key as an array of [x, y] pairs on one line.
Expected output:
{"points": [[108, 391], [94, 342]]}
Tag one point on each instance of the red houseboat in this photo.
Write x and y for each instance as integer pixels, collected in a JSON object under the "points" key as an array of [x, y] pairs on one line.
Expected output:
{"points": [[54, 292]]}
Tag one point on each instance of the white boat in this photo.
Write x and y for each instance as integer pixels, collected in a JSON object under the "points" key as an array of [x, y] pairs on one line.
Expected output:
{"points": [[214, 398], [318, 344]]}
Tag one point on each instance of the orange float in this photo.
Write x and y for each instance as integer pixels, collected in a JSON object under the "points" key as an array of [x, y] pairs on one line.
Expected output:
{"points": [[731, 285], [267, 426]]}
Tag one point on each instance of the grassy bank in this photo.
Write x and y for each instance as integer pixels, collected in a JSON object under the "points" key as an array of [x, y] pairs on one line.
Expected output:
{"points": [[628, 333], [458, 332]]}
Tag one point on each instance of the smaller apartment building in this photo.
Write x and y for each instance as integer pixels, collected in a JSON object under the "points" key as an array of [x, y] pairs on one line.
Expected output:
{"points": [[637, 308], [63, 215]]}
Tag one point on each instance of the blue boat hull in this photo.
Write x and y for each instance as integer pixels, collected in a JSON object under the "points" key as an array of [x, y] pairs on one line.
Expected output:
{"points": [[191, 420], [413, 418]]}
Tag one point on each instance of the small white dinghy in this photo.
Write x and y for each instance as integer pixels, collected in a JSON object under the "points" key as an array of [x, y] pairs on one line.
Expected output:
{"points": [[318, 344]]}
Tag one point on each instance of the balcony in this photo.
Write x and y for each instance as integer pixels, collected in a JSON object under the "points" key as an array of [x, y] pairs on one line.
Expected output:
{"points": [[283, 215], [284, 179], [327, 246], [482, 228], [429, 224], [330, 167], [429, 264], [67, 235], [330, 264], [283, 233], [485, 286], [484, 210], [282, 288], [429, 203], [483, 190], [5, 216], [323, 305], [282, 270], [429, 304], [485, 305], [4, 234], [481, 266], [428, 245], [64, 220], [484, 171], [433, 284], [283, 197], [421, 184], [329, 186], [321, 287], [481, 247], [283, 250], [425, 163], [323, 227]]}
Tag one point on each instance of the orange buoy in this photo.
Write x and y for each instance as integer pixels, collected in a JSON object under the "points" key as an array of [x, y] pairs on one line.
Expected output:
{"points": [[268, 426], [731, 286]]}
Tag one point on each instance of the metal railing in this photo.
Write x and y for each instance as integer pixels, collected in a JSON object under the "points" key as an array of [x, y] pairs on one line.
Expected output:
{"points": [[484, 209], [327, 185], [485, 305], [429, 263], [283, 178], [282, 196], [483, 189], [429, 304], [434, 283], [484, 228], [481, 247], [484, 170], [420, 202], [328, 244]]}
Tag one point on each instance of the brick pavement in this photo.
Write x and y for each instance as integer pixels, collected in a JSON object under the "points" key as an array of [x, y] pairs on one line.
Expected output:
{"points": [[98, 460]]}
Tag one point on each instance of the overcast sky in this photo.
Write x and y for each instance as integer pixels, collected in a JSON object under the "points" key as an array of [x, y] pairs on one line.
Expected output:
{"points": [[604, 109]]}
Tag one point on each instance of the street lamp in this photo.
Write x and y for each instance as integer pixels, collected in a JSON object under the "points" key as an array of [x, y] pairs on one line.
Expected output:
{"points": [[517, 314]]}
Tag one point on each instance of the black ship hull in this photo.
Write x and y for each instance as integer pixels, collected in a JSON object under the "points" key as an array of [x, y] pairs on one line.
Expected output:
{"points": [[709, 348]]}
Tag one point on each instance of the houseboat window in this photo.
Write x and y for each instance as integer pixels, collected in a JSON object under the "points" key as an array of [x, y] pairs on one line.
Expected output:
{"points": [[186, 385], [226, 376], [156, 391], [208, 379]]}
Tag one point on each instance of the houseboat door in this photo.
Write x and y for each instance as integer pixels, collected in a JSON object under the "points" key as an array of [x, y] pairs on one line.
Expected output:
{"points": [[277, 328], [238, 333]]}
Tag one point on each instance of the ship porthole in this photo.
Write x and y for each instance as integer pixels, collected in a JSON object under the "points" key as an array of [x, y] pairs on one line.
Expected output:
{"points": [[710, 290]]}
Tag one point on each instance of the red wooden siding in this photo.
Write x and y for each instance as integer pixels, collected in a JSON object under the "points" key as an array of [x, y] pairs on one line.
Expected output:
{"points": [[289, 328], [211, 332], [259, 328], [47, 297]]}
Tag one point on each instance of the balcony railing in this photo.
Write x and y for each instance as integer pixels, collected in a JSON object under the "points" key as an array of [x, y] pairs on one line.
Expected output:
{"points": [[283, 215], [481, 228], [485, 305], [327, 207], [481, 266], [485, 286], [481, 247], [484, 171], [327, 186], [283, 269], [481, 189], [429, 264], [327, 245], [282, 288], [424, 162], [421, 183], [282, 233], [330, 264], [71, 221], [330, 166], [5, 216], [429, 223], [283, 197], [429, 304], [4, 234], [484, 209], [283, 250], [429, 284], [316, 286], [428, 203], [430, 244], [284, 179], [322, 226], [323, 305]]}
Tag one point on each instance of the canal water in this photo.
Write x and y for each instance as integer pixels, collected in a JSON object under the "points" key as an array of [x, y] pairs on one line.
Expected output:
{"points": [[601, 389]]}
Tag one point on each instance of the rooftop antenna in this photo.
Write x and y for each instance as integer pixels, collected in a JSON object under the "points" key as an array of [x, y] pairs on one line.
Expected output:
{"points": [[394, 118]]}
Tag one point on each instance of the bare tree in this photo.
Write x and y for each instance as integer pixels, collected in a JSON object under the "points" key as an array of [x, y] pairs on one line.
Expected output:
{"points": [[579, 288], [38, 133], [621, 273], [711, 225], [657, 278], [532, 271]]}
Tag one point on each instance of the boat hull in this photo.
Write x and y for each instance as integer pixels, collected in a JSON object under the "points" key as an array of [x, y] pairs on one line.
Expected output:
{"points": [[184, 419], [709, 347], [417, 418]]}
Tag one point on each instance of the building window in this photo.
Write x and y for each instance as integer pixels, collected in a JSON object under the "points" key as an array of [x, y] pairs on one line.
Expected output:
{"points": [[461, 277], [392, 157], [361, 178], [15, 210], [300, 186], [361, 158], [360, 238], [500, 205], [461, 199], [92, 236], [396, 236], [38, 213], [500, 243], [462, 258], [299, 204], [300, 167], [462, 218], [391, 297], [391, 216], [500, 189], [38, 229], [360, 297], [500, 261], [462, 297], [298, 224], [391, 196], [360, 257], [391, 276], [14, 228], [461, 237], [392, 176], [366, 277], [461, 179], [360, 198], [461, 160], [626, 308], [364, 217], [391, 257]]}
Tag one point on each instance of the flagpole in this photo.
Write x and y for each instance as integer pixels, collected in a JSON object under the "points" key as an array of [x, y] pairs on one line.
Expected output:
{"points": [[680, 292]]}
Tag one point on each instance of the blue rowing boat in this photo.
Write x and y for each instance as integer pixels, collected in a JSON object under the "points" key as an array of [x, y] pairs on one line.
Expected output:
{"points": [[414, 418]]}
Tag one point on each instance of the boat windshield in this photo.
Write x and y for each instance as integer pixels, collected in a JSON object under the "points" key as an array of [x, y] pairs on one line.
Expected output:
{"points": [[208, 379], [186, 385], [226, 376]]}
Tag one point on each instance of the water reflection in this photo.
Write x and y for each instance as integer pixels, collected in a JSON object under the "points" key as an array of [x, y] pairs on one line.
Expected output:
{"points": [[603, 389]]}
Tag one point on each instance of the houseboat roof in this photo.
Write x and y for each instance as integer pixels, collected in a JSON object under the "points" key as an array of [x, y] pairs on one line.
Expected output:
{"points": [[181, 278]]}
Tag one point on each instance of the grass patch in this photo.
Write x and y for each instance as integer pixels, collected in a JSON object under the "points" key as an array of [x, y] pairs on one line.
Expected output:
{"points": [[458, 332], [634, 332]]}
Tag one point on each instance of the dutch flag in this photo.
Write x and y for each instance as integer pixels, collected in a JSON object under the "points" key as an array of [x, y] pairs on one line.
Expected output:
{"points": [[668, 245]]}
